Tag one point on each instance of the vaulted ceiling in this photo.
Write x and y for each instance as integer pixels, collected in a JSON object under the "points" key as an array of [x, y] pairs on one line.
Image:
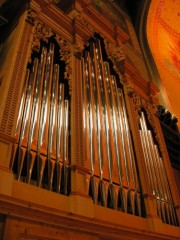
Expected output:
{"points": [[163, 37]]}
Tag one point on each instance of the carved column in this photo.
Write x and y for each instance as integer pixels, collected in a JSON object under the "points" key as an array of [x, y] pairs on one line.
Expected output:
{"points": [[80, 167], [80, 201]]}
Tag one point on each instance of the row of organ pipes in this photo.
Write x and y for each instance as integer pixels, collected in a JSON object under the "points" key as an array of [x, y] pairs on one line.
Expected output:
{"points": [[109, 144], [41, 155], [43, 127], [157, 174], [107, 136]]}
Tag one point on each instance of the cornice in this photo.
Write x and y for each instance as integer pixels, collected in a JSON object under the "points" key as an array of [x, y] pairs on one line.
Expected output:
{"points": [[143, 87], [54, 18], [103, 26]]}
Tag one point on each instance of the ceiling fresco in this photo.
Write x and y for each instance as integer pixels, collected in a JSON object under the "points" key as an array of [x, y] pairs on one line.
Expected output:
{"points": [[163, 31]]}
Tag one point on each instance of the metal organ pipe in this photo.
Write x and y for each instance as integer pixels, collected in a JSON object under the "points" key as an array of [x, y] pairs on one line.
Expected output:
{"points": [[66, 146], [150, 161], [90, 128], [33, 128], [51, 145], [99, 122], [119, 143], [22, 103], [26, 116], [43, 145], [157, 175], [59, 136], [44, 120], [130, 158], [107, 135]]}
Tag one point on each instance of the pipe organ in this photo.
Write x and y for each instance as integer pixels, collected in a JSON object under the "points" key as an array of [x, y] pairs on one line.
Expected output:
{"points": [[156, 174], [108, 143], [42, 152], [42, 155], [82, 154]]}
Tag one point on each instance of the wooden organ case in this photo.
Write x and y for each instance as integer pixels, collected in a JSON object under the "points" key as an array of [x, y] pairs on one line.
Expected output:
{"points": [[82, 130]]}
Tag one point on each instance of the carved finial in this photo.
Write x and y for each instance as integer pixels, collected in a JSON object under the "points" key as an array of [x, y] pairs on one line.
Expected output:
{"points": [[31, 16], [65, 55], [116, 55], [78, 49], [41, 32], [128, 84]]}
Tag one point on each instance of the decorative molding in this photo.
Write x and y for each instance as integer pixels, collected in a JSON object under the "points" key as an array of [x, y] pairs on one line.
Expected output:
{"points": [[85, 24], [43, 32]]}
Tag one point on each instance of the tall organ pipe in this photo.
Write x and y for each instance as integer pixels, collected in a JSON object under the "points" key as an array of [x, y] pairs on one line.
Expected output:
{"points": [[45, 107], [173, 217], [60, 135], [124, 147], [20, 116], [160, 196], [105, 117], [119, 143], [163, 189], [148, 155], [26, 116], [66, 147], [112, 116], [89, 121], [150, 163], [159, 182], [22, 103], [51, 146], [33, 128], [100, 122], [131, 157], [107, 121]]}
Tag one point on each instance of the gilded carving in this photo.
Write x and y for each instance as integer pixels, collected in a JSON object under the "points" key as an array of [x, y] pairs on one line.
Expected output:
{"points": [[116, 55], [137, 102], [148, 106], [128, 84], [42, 32], [31, 16], [78, 49], [65, 55], [115, 52], [151, 110]]}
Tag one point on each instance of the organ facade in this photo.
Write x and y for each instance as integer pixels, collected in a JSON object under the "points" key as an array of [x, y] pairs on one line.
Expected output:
{"points": [[82, 151]]}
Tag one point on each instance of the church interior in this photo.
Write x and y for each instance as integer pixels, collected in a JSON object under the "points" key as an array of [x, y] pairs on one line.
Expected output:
{"points": [[89, 119]]}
